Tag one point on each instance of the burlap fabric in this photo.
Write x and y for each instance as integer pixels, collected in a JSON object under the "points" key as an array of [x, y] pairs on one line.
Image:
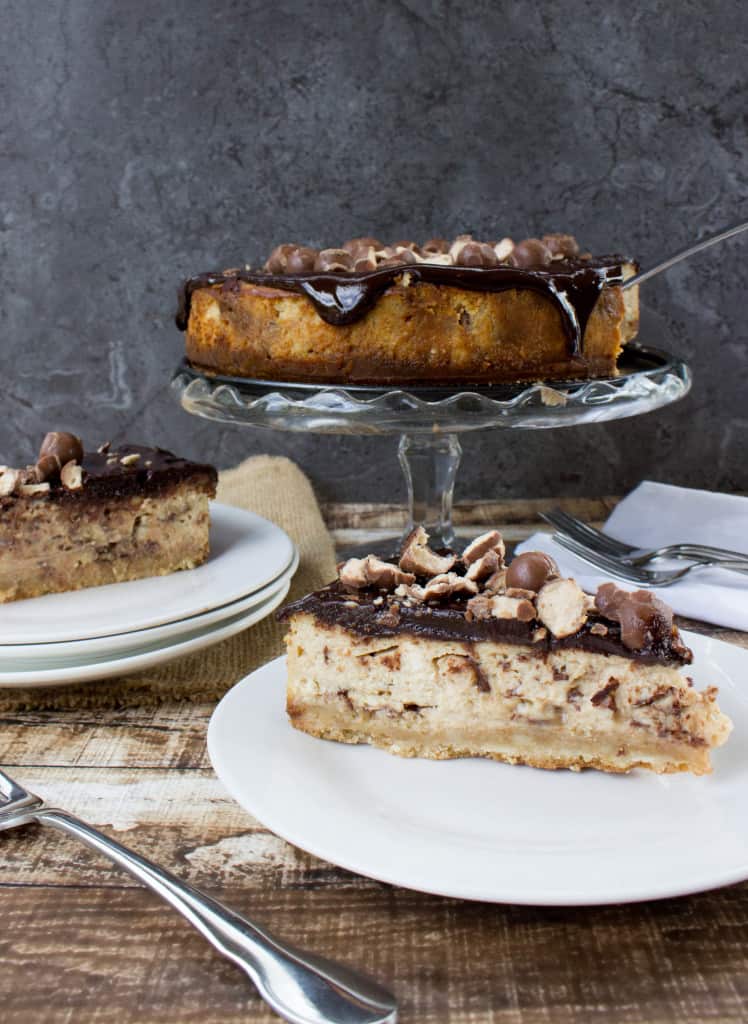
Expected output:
{"points": [[275, 488]]}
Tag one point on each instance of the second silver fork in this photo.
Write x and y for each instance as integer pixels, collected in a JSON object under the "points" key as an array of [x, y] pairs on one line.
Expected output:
{"points": [[614, 567], [600, 542]]}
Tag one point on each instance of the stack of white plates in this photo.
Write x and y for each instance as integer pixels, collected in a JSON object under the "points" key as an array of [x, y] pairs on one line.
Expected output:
{"points": [[125, 627]]}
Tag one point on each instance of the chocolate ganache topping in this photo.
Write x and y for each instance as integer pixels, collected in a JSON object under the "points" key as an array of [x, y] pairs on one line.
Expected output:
{"points": [[64, 470], [476, 597], [343, 284]]}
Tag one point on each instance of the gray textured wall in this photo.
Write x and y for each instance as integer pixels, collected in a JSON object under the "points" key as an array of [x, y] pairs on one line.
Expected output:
{"points": [[141, 142]]}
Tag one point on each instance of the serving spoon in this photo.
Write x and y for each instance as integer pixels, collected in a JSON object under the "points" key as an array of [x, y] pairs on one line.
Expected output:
{"points": [[683, 254]]}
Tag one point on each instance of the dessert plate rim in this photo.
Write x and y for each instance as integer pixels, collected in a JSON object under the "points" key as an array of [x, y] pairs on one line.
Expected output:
{"points": [[149, 655], [248, 552], [479, 830]]}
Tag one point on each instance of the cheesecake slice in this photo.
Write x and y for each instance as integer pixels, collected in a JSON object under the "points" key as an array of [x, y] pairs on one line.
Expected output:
{"points": [[81, 519], [442, 656]]}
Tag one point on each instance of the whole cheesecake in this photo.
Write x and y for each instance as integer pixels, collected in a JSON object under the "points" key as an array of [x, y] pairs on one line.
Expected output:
{"points": [[461, 312]]}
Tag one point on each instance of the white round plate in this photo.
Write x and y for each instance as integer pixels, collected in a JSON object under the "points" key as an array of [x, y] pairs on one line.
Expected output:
{"points": [[147, 656], [476, 829], [246, 553], [59, 654]]}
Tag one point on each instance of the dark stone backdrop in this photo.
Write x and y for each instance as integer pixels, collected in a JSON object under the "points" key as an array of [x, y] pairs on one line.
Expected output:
{"points": [[141, 142]]}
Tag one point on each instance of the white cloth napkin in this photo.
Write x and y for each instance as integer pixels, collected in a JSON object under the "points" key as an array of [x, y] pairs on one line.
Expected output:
{"points": [[656, 514]]}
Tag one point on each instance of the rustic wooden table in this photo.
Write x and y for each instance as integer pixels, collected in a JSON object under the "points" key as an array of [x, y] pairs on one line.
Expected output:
{"points": [[81, 942]]}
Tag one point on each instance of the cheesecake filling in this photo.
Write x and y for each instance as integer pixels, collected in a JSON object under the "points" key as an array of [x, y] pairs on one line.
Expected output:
{"points": [[512, 702]]}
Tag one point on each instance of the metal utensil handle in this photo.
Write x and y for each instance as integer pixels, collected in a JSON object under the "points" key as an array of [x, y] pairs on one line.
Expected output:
{"points": [[710, 551], [706, 552], [722, 563], [301, 987], [683, 254]]}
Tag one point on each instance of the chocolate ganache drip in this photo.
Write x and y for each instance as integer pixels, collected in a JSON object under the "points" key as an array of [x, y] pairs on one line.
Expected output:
{"points": [[343, 284]]}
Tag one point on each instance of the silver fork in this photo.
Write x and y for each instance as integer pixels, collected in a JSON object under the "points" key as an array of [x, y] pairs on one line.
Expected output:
{"points": [[597, 541], [302, 987], [613, 566]]}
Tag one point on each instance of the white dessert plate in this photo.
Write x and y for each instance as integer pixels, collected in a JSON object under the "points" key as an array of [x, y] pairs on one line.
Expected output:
{"points": [[56, 654], [246, 553], [145, 657], [480, 830]]}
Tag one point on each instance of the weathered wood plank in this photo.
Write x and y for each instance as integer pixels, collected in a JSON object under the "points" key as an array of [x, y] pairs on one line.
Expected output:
{"points": [[183, 820], [366, 516], [106, 956], [167, 736], [359, 515]]}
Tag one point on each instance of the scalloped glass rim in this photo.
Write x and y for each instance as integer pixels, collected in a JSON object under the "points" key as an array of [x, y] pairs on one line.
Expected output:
{"points": [[651, 378]]}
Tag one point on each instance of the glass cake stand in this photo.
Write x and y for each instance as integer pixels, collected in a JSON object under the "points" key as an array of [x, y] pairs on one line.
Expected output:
{"points": [[429, 419]]}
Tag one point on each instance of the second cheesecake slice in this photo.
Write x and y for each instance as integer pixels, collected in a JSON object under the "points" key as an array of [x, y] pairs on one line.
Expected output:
{"points": [[80, 518]]}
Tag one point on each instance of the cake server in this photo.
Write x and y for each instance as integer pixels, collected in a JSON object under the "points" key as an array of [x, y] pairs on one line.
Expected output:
{"points": [[301, 987], [683, 254]]}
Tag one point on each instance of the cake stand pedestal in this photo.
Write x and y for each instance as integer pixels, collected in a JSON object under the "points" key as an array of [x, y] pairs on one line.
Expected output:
{"points": [[429, 419]]}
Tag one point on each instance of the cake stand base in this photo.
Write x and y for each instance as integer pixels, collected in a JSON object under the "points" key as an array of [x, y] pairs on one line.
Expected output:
{"points": [[430, 463]]}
